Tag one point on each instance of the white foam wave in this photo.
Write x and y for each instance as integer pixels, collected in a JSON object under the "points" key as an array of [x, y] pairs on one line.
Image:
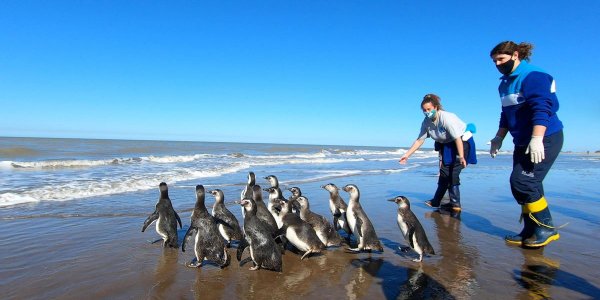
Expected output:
{"points": [[176, 159]]}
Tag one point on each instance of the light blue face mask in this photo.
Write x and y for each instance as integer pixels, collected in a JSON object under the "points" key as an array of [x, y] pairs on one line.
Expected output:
{"points": [[430, 114]]}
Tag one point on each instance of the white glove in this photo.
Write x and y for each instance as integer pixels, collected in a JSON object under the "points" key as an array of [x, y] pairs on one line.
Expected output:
{"points": [[536, 148], [496, 144]]}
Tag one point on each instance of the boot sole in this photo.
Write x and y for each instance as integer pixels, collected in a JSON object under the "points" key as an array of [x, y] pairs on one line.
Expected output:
{"points": [[516, 243], [544, 243], [430, 205]]}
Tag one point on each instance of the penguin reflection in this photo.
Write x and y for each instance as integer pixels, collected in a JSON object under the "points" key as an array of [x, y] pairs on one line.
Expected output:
{"points": [[362, 278], [457, 259]]}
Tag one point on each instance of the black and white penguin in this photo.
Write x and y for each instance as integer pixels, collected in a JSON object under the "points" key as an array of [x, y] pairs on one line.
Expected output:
{"points": [[264, 252], [411, 228], [208, 242], [359, 223], [338, 208], [166, 226], [275, 202], [262, 211], [248, 189], [325, 231], [299, 232], [296, 192], [227, 223]]}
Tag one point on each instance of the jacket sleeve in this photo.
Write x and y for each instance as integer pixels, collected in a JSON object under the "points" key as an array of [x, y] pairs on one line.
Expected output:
{"points": [[503, 122], [538, 93]]}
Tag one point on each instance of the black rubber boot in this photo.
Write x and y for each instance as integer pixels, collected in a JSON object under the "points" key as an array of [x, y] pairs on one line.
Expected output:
{"points": [[454, 193], [524, 234], [544, 231], [437, 197]]}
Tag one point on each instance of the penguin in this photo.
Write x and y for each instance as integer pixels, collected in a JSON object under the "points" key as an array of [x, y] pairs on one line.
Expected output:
{"points": [[338, 208], [411, 228], [208, 244], [227, 223], [166, 226], [299, 232], [359, 223], [262, 211], [248, 189], [325, 231], [296, 192], [275, 202], [264, 252]]}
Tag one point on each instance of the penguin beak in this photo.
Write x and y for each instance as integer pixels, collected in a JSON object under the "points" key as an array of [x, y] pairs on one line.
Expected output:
{"points": [[392, 200]]}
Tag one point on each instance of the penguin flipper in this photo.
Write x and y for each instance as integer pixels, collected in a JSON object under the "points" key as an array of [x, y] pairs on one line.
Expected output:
{"points": [[191, 230], [151, 218], [178, 219], [411, 234], [241, 247], [359, 224]]}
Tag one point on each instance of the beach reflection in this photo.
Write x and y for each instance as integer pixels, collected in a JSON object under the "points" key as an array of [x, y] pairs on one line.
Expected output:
{"points": [[456, 258], [537, 274], [164, 274]]}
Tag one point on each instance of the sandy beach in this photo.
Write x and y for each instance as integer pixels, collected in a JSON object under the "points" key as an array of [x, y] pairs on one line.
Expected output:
{"points": [[93, 248]]}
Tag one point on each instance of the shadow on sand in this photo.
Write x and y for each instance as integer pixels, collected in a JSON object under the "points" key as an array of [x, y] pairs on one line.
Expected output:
{"points": [[402, 283]]}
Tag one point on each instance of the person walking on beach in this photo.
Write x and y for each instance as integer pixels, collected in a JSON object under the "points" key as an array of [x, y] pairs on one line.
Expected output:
{"points": [[448, 131], [529, 106]]}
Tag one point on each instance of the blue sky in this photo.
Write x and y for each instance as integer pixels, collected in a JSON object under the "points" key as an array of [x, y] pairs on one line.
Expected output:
{"points": [[309, 72]]}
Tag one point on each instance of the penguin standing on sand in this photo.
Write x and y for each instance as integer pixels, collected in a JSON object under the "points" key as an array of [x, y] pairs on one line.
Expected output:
{"points": [[166, 226], [248, 189], [299, 232], [325, 231], [359, 223], [338, 208], [411, 228], [264, 252], [227, 223], [262, 211], [209, 244]]}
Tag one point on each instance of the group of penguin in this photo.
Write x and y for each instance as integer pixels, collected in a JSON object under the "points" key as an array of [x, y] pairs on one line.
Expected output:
{"points": [[269, 228]]}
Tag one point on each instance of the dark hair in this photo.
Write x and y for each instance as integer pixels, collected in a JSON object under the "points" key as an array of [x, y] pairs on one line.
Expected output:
{"points": [[434, 99], [509, 47]]}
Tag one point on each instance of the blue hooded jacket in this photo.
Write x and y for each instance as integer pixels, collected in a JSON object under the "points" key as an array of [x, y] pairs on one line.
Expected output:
{"points": [[528, 98]]}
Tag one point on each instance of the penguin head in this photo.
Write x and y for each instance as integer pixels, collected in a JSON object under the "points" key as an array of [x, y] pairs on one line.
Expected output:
{"points": [[272, 180], [402, 202], [257, 192], [247, 204], [295, 191], [200, 191], [303, 201], [351, 189], [218, 195], [330, 187], [163, 187], [251, 177]]}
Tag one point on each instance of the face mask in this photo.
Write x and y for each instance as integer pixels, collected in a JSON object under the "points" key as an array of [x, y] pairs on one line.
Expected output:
{"points": [[430, 114], [506, 68]]}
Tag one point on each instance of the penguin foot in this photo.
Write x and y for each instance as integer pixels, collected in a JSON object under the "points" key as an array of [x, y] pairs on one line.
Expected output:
{"points": [[355, 249], [254, 268], [417, 260], [194, 264]]}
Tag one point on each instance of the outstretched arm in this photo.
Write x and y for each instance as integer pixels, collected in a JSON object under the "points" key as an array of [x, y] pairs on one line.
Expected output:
{"points": [[416, 145]]}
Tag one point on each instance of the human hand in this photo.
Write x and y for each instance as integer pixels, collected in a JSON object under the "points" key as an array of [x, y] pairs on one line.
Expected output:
{"points": [[403, 159], [463, 162], [496, 144], [536, 148]]}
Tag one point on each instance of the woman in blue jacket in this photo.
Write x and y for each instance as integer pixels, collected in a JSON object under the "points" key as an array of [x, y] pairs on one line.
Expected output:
{"points": [[529, 106]]}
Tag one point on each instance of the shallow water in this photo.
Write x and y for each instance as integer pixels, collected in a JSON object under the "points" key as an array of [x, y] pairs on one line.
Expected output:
{"points": [[93, 246]]}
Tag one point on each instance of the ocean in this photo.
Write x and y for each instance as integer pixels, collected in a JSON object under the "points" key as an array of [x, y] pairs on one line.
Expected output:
{"points": [[71, 211]]}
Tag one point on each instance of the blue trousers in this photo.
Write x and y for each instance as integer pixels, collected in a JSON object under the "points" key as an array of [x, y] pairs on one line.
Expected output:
{"points": [[526, 177]]}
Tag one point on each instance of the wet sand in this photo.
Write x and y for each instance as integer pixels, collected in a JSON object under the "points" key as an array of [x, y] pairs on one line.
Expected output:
{"points": [[98, 253]]}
